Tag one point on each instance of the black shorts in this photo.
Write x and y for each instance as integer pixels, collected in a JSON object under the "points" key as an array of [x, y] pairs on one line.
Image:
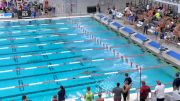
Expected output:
{"points": [[46, 10], [160, 99]]}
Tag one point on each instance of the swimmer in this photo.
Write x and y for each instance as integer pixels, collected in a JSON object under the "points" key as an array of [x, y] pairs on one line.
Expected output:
{"points": [[89, 72], [86, 72]]}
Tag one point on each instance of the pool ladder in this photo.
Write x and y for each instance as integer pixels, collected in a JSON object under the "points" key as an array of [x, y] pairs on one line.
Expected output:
{"points": [[15, 58], [50, 67], [18, 70], [20, 83], [55, 77]]}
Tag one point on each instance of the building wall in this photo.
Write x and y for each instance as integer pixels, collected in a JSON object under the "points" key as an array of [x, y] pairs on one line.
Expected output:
{"points": [[80, 6]]}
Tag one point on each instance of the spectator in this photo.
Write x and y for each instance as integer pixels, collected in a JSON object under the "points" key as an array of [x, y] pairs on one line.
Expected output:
{"points": [[144, 91], [127, 11], [146, 24], [113, 12], [161, 38], [159, 91], [158, 15], [61, 94], [157, 31], [89, 95], [176, 32], [128, 79], [176, 95], [176, 82], [147, 7], [131, 17], [117, 91], [33, 12], [41, 8], [98, 9], [109, 11], [46, 3], [24, 98], [54, 98], [126, 89], [46, 7], [100, 98]]}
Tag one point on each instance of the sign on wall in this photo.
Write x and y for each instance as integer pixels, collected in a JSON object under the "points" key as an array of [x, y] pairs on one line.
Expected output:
{"points": [[5, 15], [24, 14]]}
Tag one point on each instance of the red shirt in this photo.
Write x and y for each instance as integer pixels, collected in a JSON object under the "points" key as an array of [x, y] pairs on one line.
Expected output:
{"points": [[46, 4], [54, 100], [144, 91]]}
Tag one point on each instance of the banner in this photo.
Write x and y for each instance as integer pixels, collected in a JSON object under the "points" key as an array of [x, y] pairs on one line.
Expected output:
{"points": [[24, 14], [5, 15]]}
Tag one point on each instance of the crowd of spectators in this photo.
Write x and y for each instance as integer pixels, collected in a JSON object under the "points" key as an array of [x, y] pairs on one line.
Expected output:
{"points": [[36, 8], [156, 19]]}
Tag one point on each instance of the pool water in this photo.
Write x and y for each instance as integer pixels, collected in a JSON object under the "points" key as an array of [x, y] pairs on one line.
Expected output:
{"points": [[38, 56]]}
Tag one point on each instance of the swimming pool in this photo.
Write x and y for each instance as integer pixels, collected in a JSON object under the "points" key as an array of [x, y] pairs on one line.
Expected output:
{"points": [[38, 56]]}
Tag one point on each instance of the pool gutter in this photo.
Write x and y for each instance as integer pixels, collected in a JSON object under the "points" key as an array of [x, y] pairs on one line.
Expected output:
{"points": [[46, 18]]}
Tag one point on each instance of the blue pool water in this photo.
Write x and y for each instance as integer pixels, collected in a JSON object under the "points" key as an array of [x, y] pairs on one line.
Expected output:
{"points": [[37, 51]]}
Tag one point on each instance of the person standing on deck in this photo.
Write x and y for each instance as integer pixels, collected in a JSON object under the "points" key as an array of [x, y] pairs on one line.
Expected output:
{"points": [[159, 91], [128, 79], [46, 7], [144, 91], [129, 82], [89, 95], [61, 94], [126, 91], [176, 82], [117, 91]]}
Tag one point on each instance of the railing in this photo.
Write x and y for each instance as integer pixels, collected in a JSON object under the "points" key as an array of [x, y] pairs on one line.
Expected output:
{"points": [[170, 2]]}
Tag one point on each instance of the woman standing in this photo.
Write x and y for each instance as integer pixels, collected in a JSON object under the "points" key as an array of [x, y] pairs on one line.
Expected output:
{"points": [[61, 94], [126, 89], [46, 7], [89, 95]]}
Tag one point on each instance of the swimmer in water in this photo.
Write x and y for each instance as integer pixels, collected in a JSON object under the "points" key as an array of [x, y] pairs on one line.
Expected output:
{"points": [[89, 72]]}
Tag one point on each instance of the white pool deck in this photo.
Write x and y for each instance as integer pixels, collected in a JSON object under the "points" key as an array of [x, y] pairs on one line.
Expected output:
{"points": [[133, 96]]}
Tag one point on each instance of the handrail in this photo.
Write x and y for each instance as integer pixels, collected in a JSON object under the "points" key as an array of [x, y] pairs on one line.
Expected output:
{"points": [[167, 2]]}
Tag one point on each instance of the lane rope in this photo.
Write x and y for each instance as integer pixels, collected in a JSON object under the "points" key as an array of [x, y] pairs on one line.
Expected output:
{"points": [[77, 77]]}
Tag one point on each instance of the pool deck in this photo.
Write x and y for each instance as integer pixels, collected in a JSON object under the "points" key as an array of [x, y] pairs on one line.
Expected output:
{"points": [[133, 96], [168, 52]]}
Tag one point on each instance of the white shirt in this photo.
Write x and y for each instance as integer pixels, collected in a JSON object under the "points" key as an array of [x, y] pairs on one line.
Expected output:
{"points": [[176, 95], [147, 7], [113, 11], [126, 9], [159, 89]]}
